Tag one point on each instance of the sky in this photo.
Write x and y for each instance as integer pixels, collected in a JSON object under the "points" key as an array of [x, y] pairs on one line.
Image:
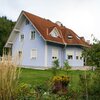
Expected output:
{"points": [[82, 16]]}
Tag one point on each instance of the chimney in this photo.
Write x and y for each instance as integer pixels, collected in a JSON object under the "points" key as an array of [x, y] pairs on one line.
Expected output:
{"points": [[82, 38], [59, 23]]}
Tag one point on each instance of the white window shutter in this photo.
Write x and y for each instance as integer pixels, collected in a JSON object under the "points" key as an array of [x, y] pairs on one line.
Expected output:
{"points": [[33, 53]]}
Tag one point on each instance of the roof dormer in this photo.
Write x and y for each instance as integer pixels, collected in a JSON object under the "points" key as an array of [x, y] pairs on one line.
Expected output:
{"points": [[55, 33], [69, 36]]}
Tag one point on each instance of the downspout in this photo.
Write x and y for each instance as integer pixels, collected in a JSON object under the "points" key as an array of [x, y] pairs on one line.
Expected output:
{"points": [[63, 42], [46, 60]]}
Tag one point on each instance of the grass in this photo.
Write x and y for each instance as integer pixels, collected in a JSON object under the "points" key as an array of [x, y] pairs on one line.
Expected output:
{"points": [[35, 77]]}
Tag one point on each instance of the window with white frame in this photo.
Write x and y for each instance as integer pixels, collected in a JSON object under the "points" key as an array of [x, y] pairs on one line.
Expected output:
{"points": [[33, 54], [69, 54], [78, 55], [32, 35], [54, 53], [21, 37]]}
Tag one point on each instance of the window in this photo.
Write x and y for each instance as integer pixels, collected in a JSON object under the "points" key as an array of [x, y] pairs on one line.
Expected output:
{"points": [[33, 53], [32, 35], [54, 33], [80, 58], [77, 57], [54, 53], [69, 54], [20, 54], [27, 22], [21, 37], [70, 57], [69, 36]]}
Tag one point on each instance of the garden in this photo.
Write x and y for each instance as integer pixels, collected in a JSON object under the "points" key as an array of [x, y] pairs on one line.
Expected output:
{"points": [[52, 84], [56, 83]]}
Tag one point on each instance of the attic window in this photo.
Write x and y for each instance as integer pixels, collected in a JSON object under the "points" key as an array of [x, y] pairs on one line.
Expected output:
{"points": [[70, 37], [27, 22], [54, 33]]}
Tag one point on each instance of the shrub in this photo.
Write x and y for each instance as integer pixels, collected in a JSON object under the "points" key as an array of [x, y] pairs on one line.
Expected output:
{"points": [[55, 67], [25, 92], [66, 65], [60, 84]]}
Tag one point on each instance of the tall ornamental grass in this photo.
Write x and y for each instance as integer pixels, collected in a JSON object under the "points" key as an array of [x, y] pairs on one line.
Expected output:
{"points": [[9, 75]]}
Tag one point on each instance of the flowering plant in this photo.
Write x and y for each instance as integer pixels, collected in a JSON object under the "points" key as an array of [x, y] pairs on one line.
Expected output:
{"points": [[62, 79], [60, 84]]}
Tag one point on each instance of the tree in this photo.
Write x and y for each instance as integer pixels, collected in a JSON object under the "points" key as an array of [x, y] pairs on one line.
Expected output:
{"points": [[92, 54], [6, 26]]}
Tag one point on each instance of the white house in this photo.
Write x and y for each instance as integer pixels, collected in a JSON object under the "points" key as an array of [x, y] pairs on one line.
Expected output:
{"points": [[38, 41]]}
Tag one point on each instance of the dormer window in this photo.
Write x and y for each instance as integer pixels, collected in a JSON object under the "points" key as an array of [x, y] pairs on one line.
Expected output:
{"points": [[70, 37], [55, 33]]}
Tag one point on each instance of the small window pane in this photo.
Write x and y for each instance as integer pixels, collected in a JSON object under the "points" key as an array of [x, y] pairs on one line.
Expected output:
{"points": [[77, 57], [70, 57], [22, 37], [32, 35]]}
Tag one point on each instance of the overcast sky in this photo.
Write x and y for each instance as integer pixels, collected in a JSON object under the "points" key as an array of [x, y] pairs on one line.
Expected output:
{"points": [[82, 16]]}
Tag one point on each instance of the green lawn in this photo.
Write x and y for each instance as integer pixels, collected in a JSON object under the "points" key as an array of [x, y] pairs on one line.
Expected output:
{"points": [[35, 77]]}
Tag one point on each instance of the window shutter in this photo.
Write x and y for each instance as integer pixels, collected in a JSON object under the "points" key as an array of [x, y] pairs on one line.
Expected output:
{"points": [[33, 53], [54, 53]]}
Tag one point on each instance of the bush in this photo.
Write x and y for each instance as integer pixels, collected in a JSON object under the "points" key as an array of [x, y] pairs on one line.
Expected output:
{"points": [[55, 67], [25, 92], [59, 84], [66, 65]]}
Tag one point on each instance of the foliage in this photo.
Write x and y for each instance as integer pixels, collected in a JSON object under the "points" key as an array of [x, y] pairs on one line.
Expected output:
{"points": [[59, 84], [56, 63], [39, 79], [6, 26], [25, 92], [95, 87], [92, 54], [9, 75], [62, 78], [66, 65], [55, 67], [85, 85]]}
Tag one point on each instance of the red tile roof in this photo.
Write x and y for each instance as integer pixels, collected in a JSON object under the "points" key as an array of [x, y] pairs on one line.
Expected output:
{"points": [[45, 26]]}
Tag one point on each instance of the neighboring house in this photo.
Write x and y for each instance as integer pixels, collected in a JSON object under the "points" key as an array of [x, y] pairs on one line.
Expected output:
{"points": [[38, 42]]}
